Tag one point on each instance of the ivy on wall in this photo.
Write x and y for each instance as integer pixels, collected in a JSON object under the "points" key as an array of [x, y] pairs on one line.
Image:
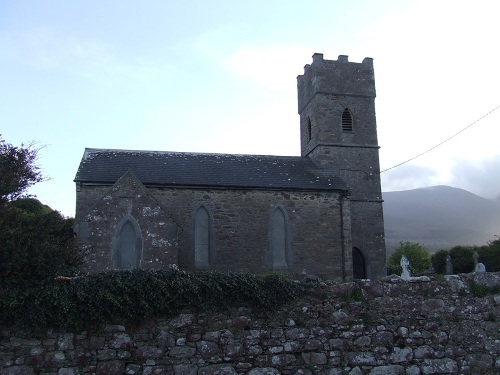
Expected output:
{"points": [[75, 303]]}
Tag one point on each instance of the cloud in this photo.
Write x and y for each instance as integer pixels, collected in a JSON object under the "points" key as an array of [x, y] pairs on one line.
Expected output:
{"points": [[479, 177], [44, 48], [270, 67], [407, 177]]}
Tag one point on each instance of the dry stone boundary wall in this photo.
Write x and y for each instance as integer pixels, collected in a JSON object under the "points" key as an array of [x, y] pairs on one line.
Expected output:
{"points": [[389, 327]]}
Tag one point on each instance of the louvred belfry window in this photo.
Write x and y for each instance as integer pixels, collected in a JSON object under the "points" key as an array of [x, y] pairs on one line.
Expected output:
{"points": [[346, 120]]}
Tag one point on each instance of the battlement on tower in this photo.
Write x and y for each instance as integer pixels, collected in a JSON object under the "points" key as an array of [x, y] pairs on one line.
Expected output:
{"points": [[336, 77]]}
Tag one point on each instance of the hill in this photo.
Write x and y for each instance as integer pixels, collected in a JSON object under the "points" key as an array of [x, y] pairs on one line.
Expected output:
{"points": [[439, 217]]}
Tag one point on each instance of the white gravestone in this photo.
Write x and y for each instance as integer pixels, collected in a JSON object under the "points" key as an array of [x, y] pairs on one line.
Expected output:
{"points": [[405, 265]]}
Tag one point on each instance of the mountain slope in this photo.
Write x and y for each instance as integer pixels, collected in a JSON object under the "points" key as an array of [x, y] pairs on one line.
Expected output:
{"points": [[439, 217]]}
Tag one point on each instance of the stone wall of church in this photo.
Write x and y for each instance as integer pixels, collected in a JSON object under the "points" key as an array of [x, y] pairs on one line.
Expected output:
{"points": [[239, 228], [389, 327], [155, 244], [240, 225], [368, 236]]}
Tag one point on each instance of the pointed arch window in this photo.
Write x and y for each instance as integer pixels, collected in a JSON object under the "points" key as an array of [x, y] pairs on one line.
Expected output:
{"points": [[201, 238], [347, 121], [279, 240], [127, 245]]}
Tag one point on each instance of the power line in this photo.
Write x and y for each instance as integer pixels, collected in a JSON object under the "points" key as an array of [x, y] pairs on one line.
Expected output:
{"points": [[439, 144]]}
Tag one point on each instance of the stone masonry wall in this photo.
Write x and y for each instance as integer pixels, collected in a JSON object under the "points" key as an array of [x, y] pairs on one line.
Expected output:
{"points": [[389, 327], [239, 221], [240, 224]]}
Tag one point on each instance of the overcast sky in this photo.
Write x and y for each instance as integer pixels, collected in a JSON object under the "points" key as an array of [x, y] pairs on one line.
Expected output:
{"points": [[220, 76]]}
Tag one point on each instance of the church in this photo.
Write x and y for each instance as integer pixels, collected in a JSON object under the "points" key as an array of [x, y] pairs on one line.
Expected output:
{"points": [[317, 214]]}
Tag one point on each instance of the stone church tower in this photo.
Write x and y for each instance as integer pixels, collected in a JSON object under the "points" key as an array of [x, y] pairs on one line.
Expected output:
{"points": [[316, 214], [338, 130]]}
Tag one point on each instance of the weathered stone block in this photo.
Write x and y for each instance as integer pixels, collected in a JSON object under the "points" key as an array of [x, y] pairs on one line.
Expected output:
{"points": [[361, 359], [264, 371], [439, 366], [217, 370], [120, 341], [208, 349], [388, 370], [149, 352], [110, 368], [185, 369], [180, 352], [315, 358]]}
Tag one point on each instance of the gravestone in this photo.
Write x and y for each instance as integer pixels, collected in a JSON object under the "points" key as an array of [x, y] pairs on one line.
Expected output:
{"points": [[405, 265], [480, 268], [449, 266]]}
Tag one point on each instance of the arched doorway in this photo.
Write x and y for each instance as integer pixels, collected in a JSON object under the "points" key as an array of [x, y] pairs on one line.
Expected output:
{"points": [[358, 264]]}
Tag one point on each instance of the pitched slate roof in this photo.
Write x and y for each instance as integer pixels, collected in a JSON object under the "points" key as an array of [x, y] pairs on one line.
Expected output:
{"points": [[183, 169]]}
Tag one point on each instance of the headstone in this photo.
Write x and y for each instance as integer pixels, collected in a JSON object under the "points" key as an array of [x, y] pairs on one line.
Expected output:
{"points": [[405, 265], [480, 268], [449, 266]]}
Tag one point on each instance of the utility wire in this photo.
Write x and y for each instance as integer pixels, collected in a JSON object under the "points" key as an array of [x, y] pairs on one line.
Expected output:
{"points": [[439, 144]]}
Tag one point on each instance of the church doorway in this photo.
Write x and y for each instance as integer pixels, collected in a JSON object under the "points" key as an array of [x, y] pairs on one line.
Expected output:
{"points": [[358, 264]]}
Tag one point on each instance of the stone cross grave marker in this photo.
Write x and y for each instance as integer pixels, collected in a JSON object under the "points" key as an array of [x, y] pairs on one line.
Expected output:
{"points": [[405, 265]]}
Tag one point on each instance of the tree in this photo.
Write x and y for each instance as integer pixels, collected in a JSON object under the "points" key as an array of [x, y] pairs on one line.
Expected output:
{"points": [[36, 243], [417, 254], [18, 170], [438, 260], [490, 255], [462, 258]]}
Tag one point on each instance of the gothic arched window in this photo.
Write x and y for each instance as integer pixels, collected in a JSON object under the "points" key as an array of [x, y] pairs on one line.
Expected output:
{"points": [[127, 245], [201, 238], [278, 239], [347, 121]]}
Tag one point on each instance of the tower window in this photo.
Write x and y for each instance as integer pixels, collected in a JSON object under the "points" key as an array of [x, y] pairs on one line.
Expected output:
{"points": [[309, 129], [346, 120]]}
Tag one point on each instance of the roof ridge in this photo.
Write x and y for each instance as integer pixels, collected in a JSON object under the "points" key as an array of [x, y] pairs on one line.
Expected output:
{"points": [[91, 150]]}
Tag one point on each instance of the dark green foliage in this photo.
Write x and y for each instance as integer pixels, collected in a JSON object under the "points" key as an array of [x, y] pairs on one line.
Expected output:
{"points": [[417, 254], [438, 260], [35, 243], [18, 170], [481, 291], [135, 295], [462, 258], [355, 295], [490, 255]]}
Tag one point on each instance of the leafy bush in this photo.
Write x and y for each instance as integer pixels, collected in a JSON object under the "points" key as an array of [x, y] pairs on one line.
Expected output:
{"points": [[490, 255], [481, 291], [417, 254], [462, 258], [35, 243], [438, 260], [135, 295]]}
